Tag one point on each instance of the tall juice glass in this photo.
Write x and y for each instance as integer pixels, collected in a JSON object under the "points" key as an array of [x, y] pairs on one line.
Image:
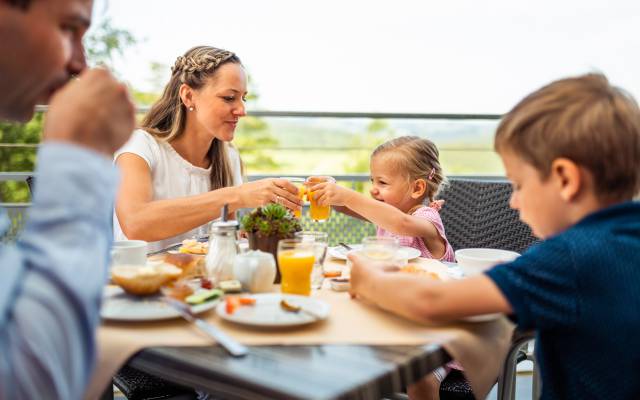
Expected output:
{"points": [[295, 260], [317, 212]]}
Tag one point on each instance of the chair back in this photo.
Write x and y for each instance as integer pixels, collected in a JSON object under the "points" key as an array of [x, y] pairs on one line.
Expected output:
{"points": [[476, 213]]}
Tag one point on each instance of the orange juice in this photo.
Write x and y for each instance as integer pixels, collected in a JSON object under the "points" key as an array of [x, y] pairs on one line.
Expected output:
{"points": [[302, 190], [316, 212], [295, 268]]}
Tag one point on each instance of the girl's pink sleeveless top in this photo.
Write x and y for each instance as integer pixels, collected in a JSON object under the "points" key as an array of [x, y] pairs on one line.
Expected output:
{"points": [[431, 215]]}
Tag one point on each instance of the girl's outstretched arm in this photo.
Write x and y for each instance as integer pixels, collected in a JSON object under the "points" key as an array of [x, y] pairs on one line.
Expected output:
{"points": [[382, 214]]}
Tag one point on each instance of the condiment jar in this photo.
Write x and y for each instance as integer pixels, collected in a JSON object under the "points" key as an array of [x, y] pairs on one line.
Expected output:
{"points": [[255, 270], [222, 250]]}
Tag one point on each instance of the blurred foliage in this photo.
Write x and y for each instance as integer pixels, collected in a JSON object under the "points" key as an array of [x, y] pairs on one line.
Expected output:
{"points": [[18, 158], [378, 131], [105, 41]]}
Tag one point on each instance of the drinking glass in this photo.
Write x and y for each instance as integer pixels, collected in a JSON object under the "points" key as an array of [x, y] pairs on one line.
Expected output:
{"points": [[302, 190], [295, 260], [316, 212], [380, 248], [319, 242]]}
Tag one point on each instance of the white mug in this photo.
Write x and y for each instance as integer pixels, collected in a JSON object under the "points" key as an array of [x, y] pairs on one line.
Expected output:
{"points": [[129, 252]]}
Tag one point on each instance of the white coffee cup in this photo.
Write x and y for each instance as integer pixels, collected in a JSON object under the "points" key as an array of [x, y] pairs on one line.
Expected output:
{"points": [[129, 252], [475, 261]]}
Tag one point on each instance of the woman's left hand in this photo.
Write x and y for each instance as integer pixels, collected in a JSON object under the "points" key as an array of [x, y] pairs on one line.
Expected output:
{"points": [[271, 190]]}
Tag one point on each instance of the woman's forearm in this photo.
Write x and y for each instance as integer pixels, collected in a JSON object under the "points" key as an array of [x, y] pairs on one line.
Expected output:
{"points": [[161, 219]]}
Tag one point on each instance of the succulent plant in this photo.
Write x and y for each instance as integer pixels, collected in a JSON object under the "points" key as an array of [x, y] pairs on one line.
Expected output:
{"points": [[271, 220]]}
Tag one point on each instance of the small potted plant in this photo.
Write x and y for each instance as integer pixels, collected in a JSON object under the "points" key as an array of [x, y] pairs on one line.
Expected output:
{"points": [[265, 226]]}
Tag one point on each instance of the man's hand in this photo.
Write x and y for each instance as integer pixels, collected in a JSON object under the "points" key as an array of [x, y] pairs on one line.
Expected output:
{"points": [[94, 111]]}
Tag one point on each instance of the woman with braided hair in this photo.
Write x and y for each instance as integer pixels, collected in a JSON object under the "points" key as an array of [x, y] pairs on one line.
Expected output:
{"points": [[179, 169]]}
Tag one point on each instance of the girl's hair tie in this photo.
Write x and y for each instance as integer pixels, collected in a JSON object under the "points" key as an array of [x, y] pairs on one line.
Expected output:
{"points": [[433, 171]]}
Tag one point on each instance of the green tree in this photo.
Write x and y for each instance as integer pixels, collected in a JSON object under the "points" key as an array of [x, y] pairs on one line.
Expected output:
{"points": [[378, 131], [106, 41], [253, 138]]}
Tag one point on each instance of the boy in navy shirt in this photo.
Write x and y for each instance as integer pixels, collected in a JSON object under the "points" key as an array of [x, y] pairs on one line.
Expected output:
{"points": [[572, 151]]}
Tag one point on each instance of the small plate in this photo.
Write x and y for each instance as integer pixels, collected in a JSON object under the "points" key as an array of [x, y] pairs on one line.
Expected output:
{"points": [[340, 252], [120, 306], [268, 313]]}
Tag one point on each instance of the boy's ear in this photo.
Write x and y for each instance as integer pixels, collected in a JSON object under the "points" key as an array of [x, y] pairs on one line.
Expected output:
{"points": [[186, 95], [568, 178], [419, 188]]}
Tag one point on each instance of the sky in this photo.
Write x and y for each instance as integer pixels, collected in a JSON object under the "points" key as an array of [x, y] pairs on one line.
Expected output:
{"points": [[453, 56]]}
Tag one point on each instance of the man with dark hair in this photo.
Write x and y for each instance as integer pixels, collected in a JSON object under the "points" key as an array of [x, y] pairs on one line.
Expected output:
{"points": [[52, 276]]}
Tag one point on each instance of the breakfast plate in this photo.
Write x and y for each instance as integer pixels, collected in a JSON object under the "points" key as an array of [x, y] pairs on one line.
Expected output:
{"points": [[120, 306], [268, 311], [340, 252]]}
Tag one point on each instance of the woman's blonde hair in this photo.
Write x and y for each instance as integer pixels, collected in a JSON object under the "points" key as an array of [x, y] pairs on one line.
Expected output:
{"points": [[416, 158], [167, 117], [586, 120]]}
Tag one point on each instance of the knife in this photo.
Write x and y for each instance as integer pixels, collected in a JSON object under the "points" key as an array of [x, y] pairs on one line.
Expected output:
{"points": [[234, 348]]}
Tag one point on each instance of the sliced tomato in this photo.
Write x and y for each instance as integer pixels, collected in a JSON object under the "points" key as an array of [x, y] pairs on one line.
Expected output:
{"points": [[231, 304], [247, 301]]}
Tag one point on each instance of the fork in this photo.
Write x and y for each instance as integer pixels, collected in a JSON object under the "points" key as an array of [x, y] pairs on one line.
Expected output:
{"points": [[234, 348], [346, 246]]}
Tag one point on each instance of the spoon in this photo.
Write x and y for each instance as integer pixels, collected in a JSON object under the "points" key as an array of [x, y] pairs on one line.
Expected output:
{"points": [[294, 308]]}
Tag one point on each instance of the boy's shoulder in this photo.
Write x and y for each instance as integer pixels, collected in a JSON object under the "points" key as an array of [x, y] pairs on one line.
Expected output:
{"points": [[604, 235]]}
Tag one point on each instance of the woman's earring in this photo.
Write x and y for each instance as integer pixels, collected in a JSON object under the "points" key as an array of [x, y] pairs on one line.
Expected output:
{"points": [[191, 108]]}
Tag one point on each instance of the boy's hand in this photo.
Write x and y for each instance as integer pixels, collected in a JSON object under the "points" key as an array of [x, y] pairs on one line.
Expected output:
{"points": [[94, 111], [330, 194], [363, 272]]}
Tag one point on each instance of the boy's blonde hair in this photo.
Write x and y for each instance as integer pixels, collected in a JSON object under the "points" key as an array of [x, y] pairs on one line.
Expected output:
{"points": [[586, 120], [416, 158]]}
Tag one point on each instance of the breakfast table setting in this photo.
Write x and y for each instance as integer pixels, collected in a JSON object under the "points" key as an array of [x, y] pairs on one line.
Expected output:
{"points": [[246, 341]]}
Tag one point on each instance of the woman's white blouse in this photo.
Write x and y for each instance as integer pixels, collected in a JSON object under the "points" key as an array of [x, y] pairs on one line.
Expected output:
{"points": [[172, 177]]}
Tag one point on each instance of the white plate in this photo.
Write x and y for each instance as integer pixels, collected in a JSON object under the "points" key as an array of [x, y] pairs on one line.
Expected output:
{"points": [[267, 311], [340, 252], [120, 306]]}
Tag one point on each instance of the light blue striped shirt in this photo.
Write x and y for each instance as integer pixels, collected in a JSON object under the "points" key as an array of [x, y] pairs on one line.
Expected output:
{"points": [[52, 277]]}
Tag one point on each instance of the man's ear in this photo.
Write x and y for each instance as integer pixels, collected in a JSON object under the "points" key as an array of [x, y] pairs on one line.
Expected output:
{"points": [[568, 178], [419, 188], [186, 95]]}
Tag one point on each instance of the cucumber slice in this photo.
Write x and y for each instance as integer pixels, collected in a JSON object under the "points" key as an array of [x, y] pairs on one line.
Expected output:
{"points": [[202, 296]]}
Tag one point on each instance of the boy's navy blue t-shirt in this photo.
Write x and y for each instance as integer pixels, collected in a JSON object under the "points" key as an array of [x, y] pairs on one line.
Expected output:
{"points": [[580, 290]]}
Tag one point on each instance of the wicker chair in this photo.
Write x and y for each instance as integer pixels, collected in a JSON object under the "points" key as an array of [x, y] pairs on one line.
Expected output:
{"points": [[476, 213]]}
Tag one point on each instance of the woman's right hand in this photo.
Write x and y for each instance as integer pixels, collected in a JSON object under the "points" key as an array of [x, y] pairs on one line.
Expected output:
{"points": [[271, 190]]}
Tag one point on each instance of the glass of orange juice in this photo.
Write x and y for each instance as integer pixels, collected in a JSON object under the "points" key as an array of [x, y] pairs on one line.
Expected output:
{"points": [[316, 212], [302, 190], [295, 260]]}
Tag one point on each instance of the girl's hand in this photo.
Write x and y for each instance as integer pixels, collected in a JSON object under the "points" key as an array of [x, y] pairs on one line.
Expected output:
{"points": [[330, 194], [271, 190]]}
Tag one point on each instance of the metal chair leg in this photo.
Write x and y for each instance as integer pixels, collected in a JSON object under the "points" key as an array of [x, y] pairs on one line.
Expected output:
{"points": [[537, 382], [507, 377]]}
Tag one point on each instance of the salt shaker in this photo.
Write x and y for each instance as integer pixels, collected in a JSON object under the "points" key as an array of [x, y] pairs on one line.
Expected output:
{"points": [[222, 250]]}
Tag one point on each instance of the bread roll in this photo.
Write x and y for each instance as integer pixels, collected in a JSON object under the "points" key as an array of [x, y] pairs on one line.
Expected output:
{"points": [[190, 265], [144, 281]]}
